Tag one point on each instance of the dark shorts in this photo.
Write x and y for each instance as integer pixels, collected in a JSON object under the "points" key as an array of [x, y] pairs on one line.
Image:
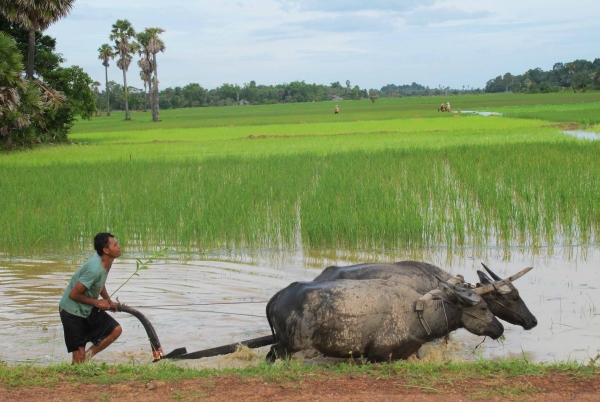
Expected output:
{"points": [[79, 331]]}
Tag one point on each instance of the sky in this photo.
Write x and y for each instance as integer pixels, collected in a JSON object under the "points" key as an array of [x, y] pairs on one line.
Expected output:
{"points": [[372, 43]]}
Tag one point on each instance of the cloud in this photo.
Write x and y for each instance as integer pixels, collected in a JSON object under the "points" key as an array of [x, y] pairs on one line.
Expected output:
{"points": [[353, 5], [319, 26], [432, 16]]}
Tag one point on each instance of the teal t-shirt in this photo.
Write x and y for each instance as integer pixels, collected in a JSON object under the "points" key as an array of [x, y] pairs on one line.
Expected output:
{"points": [[92, 275]]}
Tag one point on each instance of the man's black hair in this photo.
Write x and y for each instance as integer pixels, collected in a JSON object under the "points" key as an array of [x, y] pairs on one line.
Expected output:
{"points": [[101, 241]]}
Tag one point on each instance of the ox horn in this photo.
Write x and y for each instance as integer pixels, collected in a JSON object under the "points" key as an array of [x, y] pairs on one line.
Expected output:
{"points": [[493, 286], [492, 274], [471, 299]]}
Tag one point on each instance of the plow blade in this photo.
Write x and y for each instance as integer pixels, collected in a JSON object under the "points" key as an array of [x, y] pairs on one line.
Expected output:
{"points": [[157, 352], [226, 349]]}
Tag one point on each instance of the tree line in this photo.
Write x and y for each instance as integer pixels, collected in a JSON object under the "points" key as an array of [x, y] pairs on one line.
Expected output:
{"points": [[194, 95], [127, 42], [414, 89], [578, 75], [39, 100]]}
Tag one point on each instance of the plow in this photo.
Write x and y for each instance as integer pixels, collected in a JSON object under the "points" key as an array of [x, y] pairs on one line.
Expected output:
{"points": [[182, 353]]}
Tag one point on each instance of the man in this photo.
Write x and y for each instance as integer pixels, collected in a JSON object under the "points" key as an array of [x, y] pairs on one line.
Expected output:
{"points": [[83, 315]]}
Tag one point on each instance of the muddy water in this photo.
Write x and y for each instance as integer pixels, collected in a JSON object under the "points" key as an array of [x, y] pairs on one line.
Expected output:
{"points": [[177, 295], [587, 135]]}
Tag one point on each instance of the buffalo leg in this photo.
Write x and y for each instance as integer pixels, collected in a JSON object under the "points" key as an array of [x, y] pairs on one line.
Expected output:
{"points": [[278, 350]]}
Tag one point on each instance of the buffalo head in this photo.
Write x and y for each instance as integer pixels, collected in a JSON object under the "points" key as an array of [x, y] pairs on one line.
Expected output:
{"points": [[504, 300], [476, 317]]}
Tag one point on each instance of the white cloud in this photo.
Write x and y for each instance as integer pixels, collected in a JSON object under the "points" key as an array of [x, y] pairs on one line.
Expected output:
{"points": [[353, 5], [448, 42]]}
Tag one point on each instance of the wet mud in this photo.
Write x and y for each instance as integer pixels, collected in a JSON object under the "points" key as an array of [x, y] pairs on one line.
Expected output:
{"points": [[205, 301]]}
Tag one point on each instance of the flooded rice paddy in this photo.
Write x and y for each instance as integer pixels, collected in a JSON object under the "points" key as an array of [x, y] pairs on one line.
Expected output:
{"points": [[587, 135], [178, 296]]}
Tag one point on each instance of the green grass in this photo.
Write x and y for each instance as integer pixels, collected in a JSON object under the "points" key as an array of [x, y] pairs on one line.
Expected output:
{"points": [[583, 113], [322, 112], [384, 183], [414, 372], [267, 140]]}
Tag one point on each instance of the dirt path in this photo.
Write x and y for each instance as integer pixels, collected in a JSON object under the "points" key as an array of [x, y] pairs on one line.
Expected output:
{"points": [[336, 388]]}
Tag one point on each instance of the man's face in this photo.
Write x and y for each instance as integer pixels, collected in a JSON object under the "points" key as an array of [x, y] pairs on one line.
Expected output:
{"points": [[113, 249]]}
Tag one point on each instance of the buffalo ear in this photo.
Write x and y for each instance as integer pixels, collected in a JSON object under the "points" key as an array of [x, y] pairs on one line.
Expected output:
{"points": [[485, 280], [449, 293], [466, 298]]}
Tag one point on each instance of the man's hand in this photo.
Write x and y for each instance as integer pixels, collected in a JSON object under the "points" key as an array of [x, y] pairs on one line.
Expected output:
{"points": [[103, 304], [113, 306]]}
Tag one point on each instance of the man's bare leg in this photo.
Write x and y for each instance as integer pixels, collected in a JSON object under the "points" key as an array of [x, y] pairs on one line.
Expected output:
{"points": [[79, 355], [95, 349]]}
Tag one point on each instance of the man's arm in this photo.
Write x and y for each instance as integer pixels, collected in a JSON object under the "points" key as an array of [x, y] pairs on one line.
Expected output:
{"points": [[105, 296], [78, 294]]}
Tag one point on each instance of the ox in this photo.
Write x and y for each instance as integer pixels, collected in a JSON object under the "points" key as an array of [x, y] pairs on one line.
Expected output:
{"points": [[504, 301], [377, 319]]}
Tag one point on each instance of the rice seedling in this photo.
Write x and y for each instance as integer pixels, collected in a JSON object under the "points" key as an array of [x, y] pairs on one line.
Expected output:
{"points": [[525, 194], [381, 182]]}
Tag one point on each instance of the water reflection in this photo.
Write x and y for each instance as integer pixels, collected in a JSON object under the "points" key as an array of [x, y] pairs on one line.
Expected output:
{"points": [[174, 293], [587, 135], [479, 113]]}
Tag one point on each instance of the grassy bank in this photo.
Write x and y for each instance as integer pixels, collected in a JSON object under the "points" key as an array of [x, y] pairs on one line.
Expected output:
{"points": [[429, 374]]}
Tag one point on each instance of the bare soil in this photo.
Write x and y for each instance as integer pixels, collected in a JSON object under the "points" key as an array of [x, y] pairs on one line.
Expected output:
{"points": [[565, 126], [555, 387]]}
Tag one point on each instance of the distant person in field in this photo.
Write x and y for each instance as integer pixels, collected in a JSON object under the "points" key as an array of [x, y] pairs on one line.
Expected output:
{"points": [[448, 107], [337, 109], [442, 108], [82, 313]]}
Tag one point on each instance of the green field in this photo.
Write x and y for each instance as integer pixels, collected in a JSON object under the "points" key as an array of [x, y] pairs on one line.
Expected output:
{"points": [[384, 175]]}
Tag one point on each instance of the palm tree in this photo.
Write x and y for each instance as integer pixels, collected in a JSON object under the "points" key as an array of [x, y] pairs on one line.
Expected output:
{"points": [[146, 80], [155, 45], [571, 67], [105, 53], [95, 86], [35, 15], [145, 62], [121, 33]]}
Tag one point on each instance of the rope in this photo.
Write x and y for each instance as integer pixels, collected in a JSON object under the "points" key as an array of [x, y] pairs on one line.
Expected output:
{"points": [[511, 310], [198, 304], [215, 312], [447, 325]]}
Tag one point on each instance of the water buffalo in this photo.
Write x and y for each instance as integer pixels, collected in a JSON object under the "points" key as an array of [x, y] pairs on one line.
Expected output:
{"points": [[504, 301], [378, 319]]}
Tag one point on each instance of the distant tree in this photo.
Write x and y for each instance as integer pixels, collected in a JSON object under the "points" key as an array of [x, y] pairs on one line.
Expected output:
{"points": [[145, 61], [34, 15], [96, 89], [571, 68], [155, 45], [145, 79], [105, 53], [373, 95], [121, 33]]}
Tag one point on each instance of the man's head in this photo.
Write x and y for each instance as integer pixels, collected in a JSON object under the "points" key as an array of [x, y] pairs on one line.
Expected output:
{"points": [[106, 244]]}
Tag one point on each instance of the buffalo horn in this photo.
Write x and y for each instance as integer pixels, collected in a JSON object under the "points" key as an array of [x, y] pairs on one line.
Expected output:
{"points": [[486, 280], [493, 286], [471, 299], [493, 275]]}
